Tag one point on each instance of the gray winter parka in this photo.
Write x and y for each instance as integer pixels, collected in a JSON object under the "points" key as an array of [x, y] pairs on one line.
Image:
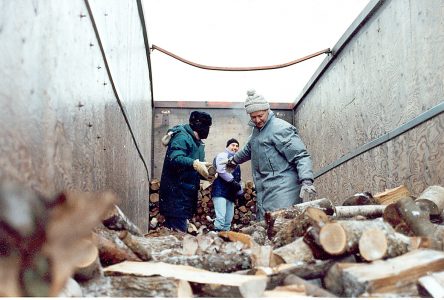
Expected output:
{"points": [[279, 162]]}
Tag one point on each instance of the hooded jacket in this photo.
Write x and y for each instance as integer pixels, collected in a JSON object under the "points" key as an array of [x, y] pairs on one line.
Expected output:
{"points": [[179, 181], [279, 162]]}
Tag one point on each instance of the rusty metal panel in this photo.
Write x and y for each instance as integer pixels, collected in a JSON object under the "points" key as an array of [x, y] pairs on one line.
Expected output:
{"points": [[62, 127]]}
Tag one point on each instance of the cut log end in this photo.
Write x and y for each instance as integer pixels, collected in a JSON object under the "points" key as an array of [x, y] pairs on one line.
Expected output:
{"points": [[333, 238], [373, 244]]}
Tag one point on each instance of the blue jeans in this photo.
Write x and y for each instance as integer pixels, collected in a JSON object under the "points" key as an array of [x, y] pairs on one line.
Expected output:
{"points": [[224, 210]]}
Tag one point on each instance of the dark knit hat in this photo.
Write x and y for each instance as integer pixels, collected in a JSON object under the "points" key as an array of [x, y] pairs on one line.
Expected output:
{"points": [[200, 122], [230, 141]]}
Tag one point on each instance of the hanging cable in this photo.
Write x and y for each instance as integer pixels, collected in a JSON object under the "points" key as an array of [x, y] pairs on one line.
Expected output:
{"points": [[261, 68]]}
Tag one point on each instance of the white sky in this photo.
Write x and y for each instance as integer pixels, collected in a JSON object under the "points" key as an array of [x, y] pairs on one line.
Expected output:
{"points": [[241, 33]]}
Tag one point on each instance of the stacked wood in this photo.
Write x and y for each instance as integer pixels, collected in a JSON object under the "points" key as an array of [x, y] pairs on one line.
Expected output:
{"points": [[43, 241], [244, 211]]}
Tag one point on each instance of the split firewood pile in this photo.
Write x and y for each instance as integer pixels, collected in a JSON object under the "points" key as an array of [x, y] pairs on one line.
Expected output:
{"points": [[244, 211], [385, 245]]}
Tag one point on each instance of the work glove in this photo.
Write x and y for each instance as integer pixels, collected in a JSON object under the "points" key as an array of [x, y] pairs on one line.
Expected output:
{"points": [[230, 164], [234, 185], [308, 191], [166, 138], [202, 168]]}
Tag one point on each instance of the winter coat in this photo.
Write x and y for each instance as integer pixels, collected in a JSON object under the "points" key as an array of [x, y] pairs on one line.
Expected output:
{"points": [[179, 181], [279, 162], [223, 186]]}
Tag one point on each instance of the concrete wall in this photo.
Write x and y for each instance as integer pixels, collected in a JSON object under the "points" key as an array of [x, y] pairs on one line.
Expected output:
{"points": [[229, 120], [385, 71], [63, 124]]}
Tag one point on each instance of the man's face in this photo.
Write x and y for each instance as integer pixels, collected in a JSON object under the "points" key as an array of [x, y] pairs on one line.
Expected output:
{"points": [[233, 147], [259, 118]]}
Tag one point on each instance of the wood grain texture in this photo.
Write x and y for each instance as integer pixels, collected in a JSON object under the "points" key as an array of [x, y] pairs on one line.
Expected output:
{"points": [[369, 91], [62, 127]]}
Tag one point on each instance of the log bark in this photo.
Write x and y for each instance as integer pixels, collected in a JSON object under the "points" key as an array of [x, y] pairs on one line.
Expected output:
{"points": [[392, 216], [333, 280], [367, 211], [134, 244], [432, 198], [311, 238], [275, 217], [112, 250], [116, 220], [42, 239], [343, 236], [365, 198], [392, 195], [289, 230], [310, 289], [418, 220], [389, 276], [204, 283], [155, 286], [297, 251]]}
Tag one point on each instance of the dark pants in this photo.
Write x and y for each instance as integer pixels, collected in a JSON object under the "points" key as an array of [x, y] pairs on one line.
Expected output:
{"points": [[176, 223]]}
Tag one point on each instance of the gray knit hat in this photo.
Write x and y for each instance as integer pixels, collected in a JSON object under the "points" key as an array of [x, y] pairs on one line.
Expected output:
{"points": [[255, 102]]}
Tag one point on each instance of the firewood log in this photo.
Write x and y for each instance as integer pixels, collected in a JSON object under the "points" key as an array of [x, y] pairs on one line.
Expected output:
{"points": [[289, 230], [418, 220], [154, 286], [432, 284], [154, 197], [90, 266], [392, 195], [294, 211], [155, 184], [133, 244], [432, 198], [310, 289], [392, 216], [333, 280], [365, 198], [342, 236], [204, 283], [376, 243], [116, 220], [297, 251], [42, 248], [391, 275], [112, 250], [311, 238], [287, 291], [367, 211]]}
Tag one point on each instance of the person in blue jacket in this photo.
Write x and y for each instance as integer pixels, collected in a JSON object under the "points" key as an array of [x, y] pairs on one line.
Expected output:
{"points": [[280, 163], [226, 187], [183, 167]]}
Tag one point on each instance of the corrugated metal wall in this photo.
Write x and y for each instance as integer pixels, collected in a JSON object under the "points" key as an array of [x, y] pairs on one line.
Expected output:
{"points": [[63, 126], [386, 77]]}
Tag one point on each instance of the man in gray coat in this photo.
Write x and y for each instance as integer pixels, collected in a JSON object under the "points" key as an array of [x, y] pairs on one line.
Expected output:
{"points": [[281, 165]]}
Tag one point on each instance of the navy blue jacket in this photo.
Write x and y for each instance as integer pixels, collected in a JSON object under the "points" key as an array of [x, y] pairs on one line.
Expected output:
{"points": [[223, 186]]}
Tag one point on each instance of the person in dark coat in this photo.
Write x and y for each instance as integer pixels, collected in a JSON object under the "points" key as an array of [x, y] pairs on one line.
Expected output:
{"points": [[226, 187], [183, 167], [280, 162]]}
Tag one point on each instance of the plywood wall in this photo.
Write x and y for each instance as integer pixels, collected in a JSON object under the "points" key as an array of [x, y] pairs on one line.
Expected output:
{"points": [[387, 74], [61, 124]]}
